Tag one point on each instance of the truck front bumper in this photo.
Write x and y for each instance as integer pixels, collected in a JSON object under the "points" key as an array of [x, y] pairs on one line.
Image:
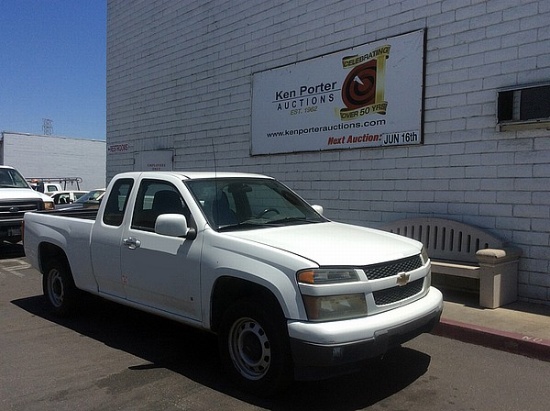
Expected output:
{"points": [[10, 229], [321, 350]]}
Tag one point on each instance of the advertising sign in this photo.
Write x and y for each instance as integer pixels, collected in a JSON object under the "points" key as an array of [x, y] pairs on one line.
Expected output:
{"points": [[367, 96]]}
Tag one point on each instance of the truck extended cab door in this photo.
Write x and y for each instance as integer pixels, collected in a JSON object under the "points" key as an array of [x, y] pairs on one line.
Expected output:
{"points": [[107, 238], [160, 272]]}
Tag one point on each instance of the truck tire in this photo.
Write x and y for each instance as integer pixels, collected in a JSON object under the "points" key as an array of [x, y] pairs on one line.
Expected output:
{"points": [[59, 288], [254, 348]]}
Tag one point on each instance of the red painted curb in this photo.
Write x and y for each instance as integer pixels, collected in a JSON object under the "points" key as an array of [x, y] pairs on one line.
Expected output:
{"points": [[516, 343]]}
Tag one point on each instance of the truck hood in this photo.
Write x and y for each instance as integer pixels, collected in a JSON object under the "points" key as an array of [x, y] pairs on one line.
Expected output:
{"points": [[331, 244], [22, 194]]}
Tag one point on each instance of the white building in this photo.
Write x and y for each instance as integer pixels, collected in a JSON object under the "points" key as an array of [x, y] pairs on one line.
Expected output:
{"points": [[39, 156], [457, 125]]}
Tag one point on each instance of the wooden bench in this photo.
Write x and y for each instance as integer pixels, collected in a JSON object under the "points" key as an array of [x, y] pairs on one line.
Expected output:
{"points": [[458, 249]]}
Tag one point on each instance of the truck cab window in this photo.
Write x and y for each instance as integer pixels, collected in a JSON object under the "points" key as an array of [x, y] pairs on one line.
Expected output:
{"points": [[153, 199], [116, 203]]}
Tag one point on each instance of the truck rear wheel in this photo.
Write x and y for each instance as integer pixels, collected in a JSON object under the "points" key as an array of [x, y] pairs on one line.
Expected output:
{"points": [[59, 288], [254, 348]]}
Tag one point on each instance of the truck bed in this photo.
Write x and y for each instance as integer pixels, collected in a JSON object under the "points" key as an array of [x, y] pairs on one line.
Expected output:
{"points": [[84, 213]]}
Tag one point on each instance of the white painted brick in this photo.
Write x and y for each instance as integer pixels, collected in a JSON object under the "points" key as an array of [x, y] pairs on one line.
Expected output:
{"points": [[460, 209], [495, 210], [531, 211], [467, 111], [481, 172], [464, 184], [525, 171], [451, 125], [434, 208]]}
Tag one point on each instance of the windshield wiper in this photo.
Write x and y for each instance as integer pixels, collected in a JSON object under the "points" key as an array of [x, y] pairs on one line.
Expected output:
{"points": [[292, 220], [272, 223], [240, 226]]}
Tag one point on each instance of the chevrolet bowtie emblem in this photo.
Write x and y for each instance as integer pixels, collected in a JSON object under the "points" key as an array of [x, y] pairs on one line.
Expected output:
{"points": [[403, 279]]}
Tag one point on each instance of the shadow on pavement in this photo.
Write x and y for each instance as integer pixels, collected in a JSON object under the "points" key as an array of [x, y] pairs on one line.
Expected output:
{"points": [[194, 354], [8, 250]]}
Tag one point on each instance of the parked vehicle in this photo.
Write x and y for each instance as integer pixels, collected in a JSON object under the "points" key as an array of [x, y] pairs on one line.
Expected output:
{"points": [[289, 293], [90, 199], [46, 188], [16, 198], [50, 185], [67, 197]]}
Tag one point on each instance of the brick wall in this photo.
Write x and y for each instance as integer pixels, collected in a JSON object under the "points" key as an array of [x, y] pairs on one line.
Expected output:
{"points": [[179, 77]]}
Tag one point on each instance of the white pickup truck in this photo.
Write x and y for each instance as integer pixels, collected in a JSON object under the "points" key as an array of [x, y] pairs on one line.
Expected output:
{"points": [[289, 293], [16, 198]]}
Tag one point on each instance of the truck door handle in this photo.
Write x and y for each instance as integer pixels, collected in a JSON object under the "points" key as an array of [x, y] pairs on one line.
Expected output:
{"points": [[131, 242]]}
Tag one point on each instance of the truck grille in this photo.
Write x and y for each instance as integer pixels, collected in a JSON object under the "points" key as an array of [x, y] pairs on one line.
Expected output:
{"points": [[388, 269], [16, 209], [395, 294]]}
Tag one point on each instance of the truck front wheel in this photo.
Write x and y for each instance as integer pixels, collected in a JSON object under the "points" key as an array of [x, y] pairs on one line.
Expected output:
{"points": [[59, 288], [254, 348]]}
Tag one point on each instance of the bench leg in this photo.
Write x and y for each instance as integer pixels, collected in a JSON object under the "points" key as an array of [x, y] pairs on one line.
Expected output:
{"points": [[498, 284]]}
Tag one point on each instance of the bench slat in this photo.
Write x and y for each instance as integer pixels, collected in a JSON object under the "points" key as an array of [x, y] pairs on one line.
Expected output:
{"points": [[459, 270]]}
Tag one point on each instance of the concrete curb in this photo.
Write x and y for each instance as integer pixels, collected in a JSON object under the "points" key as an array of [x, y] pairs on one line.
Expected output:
{"points": [[516, 343]]}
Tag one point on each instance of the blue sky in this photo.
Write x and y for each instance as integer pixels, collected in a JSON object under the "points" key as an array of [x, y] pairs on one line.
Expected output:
{"points": [[53, 65]]}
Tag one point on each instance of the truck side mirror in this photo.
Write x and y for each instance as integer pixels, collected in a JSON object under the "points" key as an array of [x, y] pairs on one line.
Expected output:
{"points": [[174, 225], [318, 208]]}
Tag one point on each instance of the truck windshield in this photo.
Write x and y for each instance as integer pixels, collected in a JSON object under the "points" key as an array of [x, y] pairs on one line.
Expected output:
{"points": [[241, 203], [10, 178]]}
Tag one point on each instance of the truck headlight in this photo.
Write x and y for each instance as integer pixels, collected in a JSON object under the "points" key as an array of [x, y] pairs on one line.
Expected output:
{"points": [[48, 205], [322, 306], [327, 276], [335, 307]]}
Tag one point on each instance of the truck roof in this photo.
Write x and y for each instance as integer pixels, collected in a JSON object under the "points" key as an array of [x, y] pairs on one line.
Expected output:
{"points": [[193, 175]]}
